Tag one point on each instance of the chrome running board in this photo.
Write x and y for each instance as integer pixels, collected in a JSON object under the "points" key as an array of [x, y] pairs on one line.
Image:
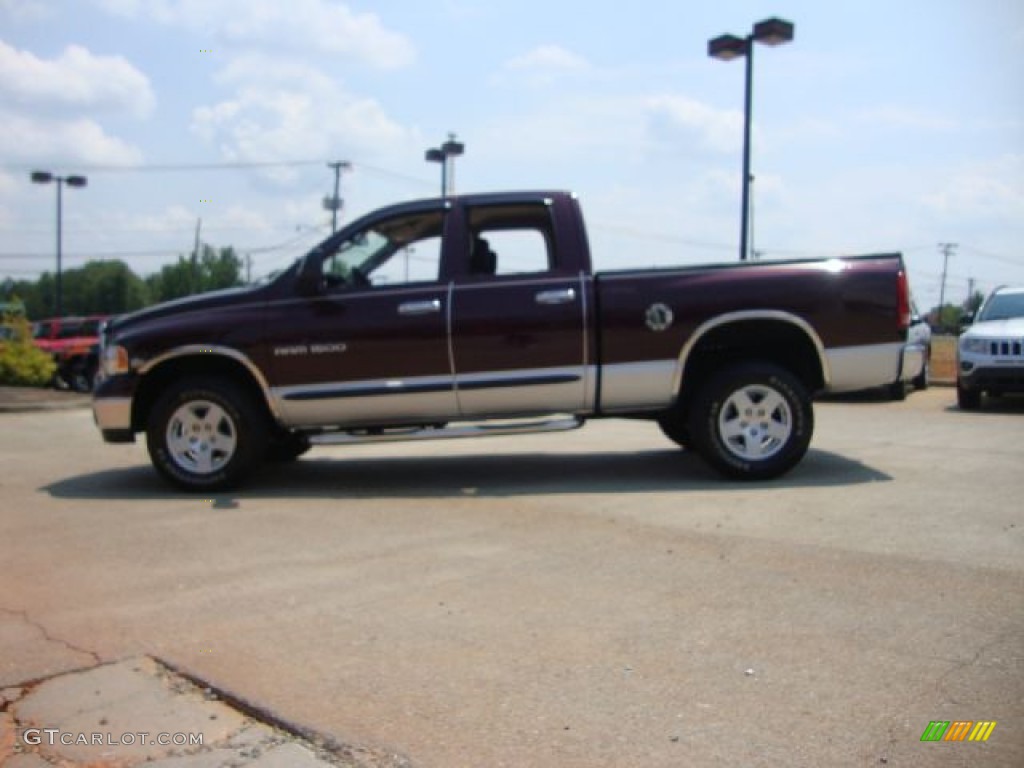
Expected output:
{"points": [[482, 429]]}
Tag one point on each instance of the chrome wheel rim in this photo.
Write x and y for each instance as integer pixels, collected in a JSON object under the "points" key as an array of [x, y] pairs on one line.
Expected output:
{"points": [[201, 437], [755, 422]]}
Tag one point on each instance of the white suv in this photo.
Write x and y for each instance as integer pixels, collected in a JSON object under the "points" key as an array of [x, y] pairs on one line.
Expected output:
{"points": [[990, 355]]}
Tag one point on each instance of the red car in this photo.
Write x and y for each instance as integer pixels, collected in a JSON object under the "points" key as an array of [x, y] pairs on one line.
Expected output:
{"points": [[74, 343]]}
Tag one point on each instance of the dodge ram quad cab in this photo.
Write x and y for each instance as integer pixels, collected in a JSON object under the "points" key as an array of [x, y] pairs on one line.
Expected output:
{"points": [[480, 315]]}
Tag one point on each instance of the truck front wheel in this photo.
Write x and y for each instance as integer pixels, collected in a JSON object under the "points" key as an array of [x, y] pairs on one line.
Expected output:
{"points": [[752, 421], [205, 434]]}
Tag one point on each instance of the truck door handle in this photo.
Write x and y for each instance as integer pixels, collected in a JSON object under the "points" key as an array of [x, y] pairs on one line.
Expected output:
{"points": [[419, 307], [560, 296]]}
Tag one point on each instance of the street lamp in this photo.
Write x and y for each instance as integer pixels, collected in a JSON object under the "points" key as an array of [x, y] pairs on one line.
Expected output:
{"points": [[728, 47], [45, 177], [445, 155]]}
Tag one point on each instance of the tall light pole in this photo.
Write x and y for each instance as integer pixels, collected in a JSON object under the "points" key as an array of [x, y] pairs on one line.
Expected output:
{"points": [[45, 177], [445, 155], [728, 47]]}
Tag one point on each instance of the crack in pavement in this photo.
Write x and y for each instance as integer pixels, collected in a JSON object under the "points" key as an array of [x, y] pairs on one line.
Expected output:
{"points": [[24, 617]]}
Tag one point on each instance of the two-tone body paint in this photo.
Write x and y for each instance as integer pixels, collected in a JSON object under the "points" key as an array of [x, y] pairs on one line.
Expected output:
{"points": [[467, 346], [431, 353], [846, 308]]}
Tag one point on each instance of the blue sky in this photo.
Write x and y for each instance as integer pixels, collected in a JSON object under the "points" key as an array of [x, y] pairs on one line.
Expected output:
{"points": [[883, 126]]}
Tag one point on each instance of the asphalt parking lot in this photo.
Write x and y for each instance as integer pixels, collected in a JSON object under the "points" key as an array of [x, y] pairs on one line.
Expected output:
{"points": [[593, 598]]}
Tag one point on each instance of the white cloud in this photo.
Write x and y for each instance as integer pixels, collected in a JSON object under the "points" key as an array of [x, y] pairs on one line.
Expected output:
{"points": [[63, 141], [284, 110], [304, 25], [7, 184], [908, 119], [26, 10], [544, 64], [716, 129], [76, 79], [991, 190]]}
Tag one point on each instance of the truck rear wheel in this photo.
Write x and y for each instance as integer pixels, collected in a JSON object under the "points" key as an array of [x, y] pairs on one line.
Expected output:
{"points": [[752, 421], [205, 434], [673, 426]]}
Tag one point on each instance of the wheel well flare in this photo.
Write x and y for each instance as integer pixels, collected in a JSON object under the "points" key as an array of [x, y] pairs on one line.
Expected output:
{"points": [[777, 340], [156, 379]]}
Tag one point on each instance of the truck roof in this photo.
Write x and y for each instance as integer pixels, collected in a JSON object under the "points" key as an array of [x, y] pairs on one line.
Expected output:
{"points": [[479, 198]]}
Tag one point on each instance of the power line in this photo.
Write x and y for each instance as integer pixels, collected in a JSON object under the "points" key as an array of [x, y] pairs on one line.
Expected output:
{"points": [[221, 166], [994, 256], [165, 251], [170, 167]]}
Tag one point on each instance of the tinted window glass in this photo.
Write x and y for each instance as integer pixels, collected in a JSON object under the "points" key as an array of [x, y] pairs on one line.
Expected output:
{"points": [[510, 240]]}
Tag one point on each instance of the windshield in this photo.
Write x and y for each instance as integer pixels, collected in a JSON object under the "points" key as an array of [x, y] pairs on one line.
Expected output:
{"points": [[401, 249], [360, 253], [1003, 306]]}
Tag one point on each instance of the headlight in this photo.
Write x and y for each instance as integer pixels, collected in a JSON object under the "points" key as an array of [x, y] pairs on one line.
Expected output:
{"points": [[115, 360], [974, 345]]}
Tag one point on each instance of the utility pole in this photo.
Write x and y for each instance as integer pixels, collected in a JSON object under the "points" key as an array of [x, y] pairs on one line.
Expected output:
{"points": [[335, 203], [947, 251], [248, 268], [194, 276]]}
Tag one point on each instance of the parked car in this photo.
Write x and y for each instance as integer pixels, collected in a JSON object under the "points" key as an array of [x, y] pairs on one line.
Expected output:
{"points": [[918, 347], [990, 353], [498, 325], [74, 344]]}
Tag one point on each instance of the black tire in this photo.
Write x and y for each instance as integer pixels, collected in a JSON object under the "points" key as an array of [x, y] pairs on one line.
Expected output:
{"points": [[967, 399], [83, 375], [287, 447], [673, 426], [920, 381], [752, 421], [206, 434], [897, 391]]}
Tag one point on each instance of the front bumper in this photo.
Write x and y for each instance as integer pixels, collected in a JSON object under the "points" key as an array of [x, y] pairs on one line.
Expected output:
{"points": [[112, 408], [113, 415], [1004, 378]]}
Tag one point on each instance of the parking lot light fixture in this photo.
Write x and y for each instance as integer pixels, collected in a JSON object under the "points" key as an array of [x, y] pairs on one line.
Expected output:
{"points": [[773, 31], [445, 155], [45, 177]]}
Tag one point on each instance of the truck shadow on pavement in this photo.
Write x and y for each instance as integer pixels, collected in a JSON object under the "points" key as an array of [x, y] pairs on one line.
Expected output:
{"points": [[496, 475]]}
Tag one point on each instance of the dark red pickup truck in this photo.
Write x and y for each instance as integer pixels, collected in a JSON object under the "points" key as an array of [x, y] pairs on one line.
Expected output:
{"points": [[480, 315]]}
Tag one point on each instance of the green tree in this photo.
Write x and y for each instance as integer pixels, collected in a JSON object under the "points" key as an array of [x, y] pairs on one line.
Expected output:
{"points": [[974, 302], [212, 270], [111, 287], [96, 288], [103, 288], [948, 317]]}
